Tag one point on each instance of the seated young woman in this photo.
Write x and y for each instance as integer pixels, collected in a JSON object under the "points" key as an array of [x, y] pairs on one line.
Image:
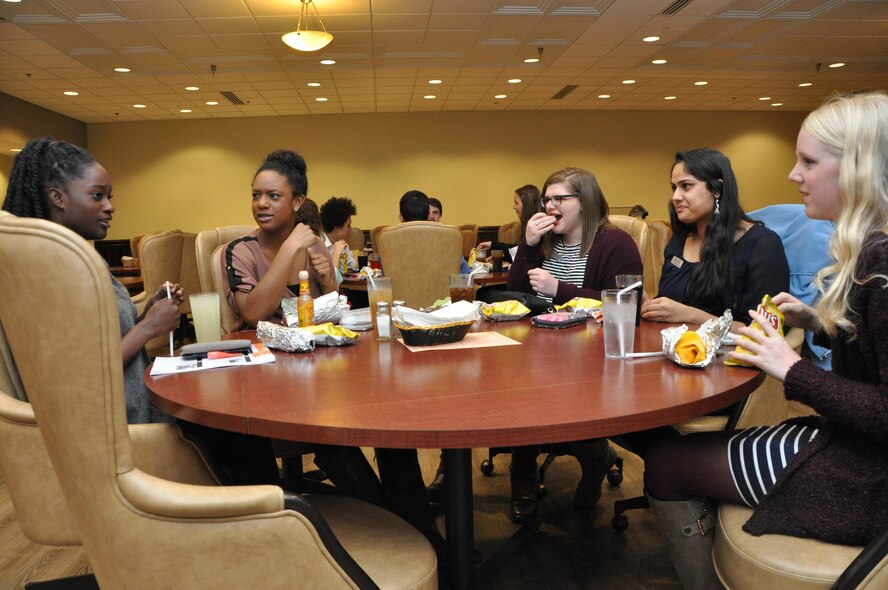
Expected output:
{"points": [[61, 182], [569, 250], [840, 170], [526, 202], [263, 268], [717, 258]]}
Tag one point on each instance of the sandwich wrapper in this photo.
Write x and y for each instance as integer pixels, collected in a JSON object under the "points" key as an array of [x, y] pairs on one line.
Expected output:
{"points": [[461, 311], [284, 338], [711, 333], [504, 311], [327, 308], [357, 319]]}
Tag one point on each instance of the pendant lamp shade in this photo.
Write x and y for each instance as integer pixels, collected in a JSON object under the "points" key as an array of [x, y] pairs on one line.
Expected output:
{"points": [[306, 38]]}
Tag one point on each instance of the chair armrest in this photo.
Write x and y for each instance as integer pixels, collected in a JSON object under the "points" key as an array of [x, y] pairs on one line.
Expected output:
{"points": [[870, 564], [161, 450], [15, 410], [140, 300], [161, 497]]}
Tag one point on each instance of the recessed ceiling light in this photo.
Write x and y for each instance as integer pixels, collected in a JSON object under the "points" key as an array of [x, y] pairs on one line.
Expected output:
{"points": [[321, 99], [628, 81], [71, 93], [838, 64], [531, 60], [765, 98], [328, 62], [650, 39], [701, 83], [139, 106], [604, 96], [184, 110], [192, 88], [429, 96], [501, 96], [669, 97], [212, 103], [806, 84], [515, 81], [313, 84], [776, 104], [122, 70], [13, 1], [659, 62], [434, 81], [16, 149]]}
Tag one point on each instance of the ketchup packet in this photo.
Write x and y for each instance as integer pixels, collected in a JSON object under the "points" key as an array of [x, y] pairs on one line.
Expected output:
{"points": [[772, 315]]}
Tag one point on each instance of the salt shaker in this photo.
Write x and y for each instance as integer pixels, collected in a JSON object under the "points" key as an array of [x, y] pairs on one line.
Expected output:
{"points": [[383, 321]]}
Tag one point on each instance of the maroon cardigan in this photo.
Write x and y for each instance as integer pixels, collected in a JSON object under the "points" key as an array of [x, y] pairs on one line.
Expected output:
{"points": [[836, 488], [613, 253]]}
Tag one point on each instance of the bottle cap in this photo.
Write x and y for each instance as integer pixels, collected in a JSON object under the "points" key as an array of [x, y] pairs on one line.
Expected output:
{"points": [[381, 306], [303, 275]]}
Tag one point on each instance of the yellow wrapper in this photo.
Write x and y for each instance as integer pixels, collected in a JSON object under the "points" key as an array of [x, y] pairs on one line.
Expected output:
{"points": [[471, 259], [504, 310], [330, 334], [578, 303], [690, 348], [772, 315]]}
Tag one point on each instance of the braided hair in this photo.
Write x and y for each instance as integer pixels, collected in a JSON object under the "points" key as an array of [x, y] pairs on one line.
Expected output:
{"points": [[44, 162]]}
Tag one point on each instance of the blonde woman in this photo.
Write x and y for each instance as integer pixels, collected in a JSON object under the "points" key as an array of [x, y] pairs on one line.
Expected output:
{"points": [[794, 474]]}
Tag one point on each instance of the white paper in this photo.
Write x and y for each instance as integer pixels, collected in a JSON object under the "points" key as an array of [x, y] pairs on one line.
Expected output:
{"points": [[168, 365]]}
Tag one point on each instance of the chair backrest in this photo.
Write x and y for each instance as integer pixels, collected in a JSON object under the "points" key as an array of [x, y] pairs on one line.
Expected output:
{"points": [[659, 234], [209, 240], [189, 278], [355, 239], [374, 237], [420, 256], [160, 257], [509, 233], [638, 229], [134, 245], [138, 531], [470, 237]]}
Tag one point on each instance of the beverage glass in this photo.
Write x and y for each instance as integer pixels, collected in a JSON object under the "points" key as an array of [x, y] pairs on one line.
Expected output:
{"points": [[461, 288], [379, 290], [481, 254], [373, 261], [496, 257], [625, 281], [619, 322], [207, 316]]}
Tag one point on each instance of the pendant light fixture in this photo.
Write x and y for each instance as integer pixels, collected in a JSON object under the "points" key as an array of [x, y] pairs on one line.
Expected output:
{"points": [[306, 38]]}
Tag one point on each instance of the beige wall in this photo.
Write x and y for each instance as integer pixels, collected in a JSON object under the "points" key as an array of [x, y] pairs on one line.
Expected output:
{"points": [[196, 174], [21, 121]]}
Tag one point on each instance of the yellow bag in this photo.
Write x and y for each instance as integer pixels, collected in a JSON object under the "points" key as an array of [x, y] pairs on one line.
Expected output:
{"points": [[773, 317]]}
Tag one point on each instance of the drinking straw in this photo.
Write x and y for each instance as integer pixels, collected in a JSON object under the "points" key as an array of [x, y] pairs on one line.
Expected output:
{"points": [[620, 326], [169, 296], [369, 274], [627, 289]]}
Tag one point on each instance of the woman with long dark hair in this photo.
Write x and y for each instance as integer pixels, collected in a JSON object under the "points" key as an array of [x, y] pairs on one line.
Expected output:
{"points": [[525, 203]]}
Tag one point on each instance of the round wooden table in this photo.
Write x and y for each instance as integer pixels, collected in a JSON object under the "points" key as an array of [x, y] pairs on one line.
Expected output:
{"points": [[554, 386]]}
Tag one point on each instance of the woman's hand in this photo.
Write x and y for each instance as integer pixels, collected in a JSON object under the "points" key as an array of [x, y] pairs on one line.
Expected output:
{"points": [[538, 226], [795, 313], [301, 238], [338, 247], [770, 351], [543, 282], [161, 317], [175, 292], [320, 261], [484, 245], [663, 309]]}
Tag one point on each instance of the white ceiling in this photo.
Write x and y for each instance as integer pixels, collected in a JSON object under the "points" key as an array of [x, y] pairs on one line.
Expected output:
{"points": [[386, 51]]}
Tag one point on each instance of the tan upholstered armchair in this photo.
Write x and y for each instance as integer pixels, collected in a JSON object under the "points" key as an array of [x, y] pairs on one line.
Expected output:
{"points": [[160, 257], [470, 237], [140, 530], [420, 256], [374, 237], [209, 265], [355, 239], [509, 233]]}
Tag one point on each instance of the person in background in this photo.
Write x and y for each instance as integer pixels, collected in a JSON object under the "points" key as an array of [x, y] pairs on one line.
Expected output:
{"points": [[61, 182], [525, 203], [718, 258], [336, 219], [436, 209], [841, 171], [568, 250]]}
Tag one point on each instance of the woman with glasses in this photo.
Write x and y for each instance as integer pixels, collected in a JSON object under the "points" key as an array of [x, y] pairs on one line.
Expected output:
{"points": [[717, 258], [569, 250]]}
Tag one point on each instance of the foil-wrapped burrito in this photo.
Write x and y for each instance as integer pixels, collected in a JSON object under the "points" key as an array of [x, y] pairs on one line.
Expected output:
{"points": [[284, 338], [696, 348], [327, 308]]}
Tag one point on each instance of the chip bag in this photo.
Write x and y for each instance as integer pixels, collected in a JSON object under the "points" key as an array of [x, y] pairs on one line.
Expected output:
{"points": [[773, 316]]}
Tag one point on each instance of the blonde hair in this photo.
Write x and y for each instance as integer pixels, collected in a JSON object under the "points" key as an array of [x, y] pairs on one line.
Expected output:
{"points": [[854, 128]]}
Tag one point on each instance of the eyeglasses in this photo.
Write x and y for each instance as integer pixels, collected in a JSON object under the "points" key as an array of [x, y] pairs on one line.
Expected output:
{"points": [[556, 200]]}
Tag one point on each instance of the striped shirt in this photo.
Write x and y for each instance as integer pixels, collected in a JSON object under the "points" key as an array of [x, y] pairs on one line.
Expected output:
{"points": [[566, 265]]}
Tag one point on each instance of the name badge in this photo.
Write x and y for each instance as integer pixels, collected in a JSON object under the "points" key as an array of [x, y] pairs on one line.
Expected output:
{"points": [[677, 262]]}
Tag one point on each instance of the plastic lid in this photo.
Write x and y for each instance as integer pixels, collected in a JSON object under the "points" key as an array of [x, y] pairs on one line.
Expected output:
{"points": [[303, 275], [382, 305]]}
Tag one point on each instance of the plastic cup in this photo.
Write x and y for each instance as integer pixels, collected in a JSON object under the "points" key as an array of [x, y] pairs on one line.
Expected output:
{"points": [[379, 290], [619, 322], [206, 315], [461, 288], [374, 262], [481, 254], [496, 257], [625, 281]]}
